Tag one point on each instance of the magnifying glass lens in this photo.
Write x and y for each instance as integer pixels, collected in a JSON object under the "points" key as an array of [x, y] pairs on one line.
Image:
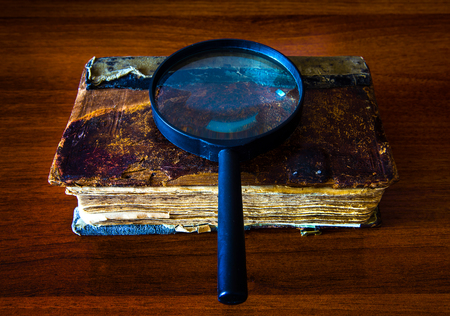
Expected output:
{"points": [[226, 95]]}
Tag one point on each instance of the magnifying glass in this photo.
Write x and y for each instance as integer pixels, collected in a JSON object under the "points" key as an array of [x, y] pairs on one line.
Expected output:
{"points": [[227, 100]]}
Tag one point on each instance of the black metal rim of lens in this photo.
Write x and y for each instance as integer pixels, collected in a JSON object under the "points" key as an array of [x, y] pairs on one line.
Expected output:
{"points": [[210, 148]]}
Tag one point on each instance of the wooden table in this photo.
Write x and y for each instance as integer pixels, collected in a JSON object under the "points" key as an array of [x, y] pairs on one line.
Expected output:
{"points": [[401, 268]]}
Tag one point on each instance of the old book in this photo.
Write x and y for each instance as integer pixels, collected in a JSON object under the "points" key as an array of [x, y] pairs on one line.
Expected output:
{"points": [[129, 179]]}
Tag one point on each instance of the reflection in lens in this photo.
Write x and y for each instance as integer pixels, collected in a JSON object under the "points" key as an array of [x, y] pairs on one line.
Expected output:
{"points": [[226, 95]]}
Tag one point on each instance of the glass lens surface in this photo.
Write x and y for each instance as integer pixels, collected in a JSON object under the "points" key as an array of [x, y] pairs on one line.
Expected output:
{"points": [[226, 95]]}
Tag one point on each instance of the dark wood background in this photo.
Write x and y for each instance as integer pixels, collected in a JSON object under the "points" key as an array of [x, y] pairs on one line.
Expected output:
{"points": [[401, 268]]}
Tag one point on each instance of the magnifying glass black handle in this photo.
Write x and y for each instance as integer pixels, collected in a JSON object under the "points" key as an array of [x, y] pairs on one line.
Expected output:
{"points": [[231, 268]]}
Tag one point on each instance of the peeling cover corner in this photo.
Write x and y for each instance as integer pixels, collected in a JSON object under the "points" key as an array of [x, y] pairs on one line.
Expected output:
{"points": [[130, 72], [88, 67]]}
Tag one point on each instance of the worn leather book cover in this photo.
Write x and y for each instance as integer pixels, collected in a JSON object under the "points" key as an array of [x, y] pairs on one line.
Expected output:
{"points": [[111, 154]]}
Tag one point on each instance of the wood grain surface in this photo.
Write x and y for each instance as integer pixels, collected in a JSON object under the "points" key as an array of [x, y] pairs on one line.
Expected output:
{"points": [[401, 268]]}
